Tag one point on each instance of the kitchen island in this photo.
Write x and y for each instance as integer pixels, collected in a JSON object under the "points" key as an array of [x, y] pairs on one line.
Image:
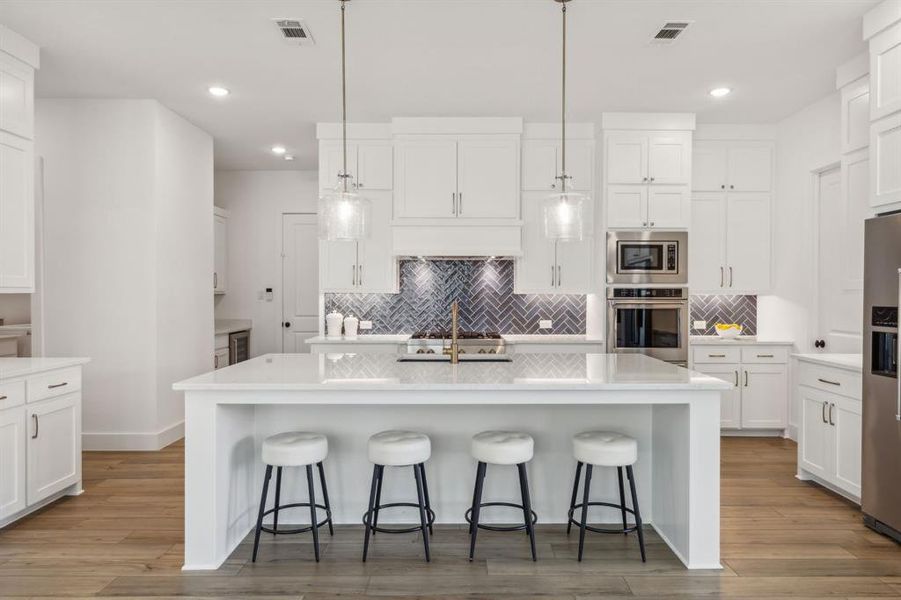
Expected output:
{"points": [[672, 412]]}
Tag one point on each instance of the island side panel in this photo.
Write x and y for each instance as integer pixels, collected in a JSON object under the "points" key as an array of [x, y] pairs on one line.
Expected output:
{"points": [[704, 552]]}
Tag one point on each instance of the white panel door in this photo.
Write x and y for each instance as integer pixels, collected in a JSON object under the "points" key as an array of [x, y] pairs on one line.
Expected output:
{"points": [[16, 214], [816, 452], [750, 167], [535, 270], [488, 179], [668, 206], [579, 164], [707, 243], [220, 254], [748, 243], [627, 206], [16, 97], [375, 165], [856, 115], [708, 164], [426, 179], [300, 279], [885, 72], [847, 426], [730, 401], [376, 264], [627, 158], [539, 165], [574, 266], [669, 159], [54, 446], [885, 156], [331, 163], [763, 394], [12, 461]]}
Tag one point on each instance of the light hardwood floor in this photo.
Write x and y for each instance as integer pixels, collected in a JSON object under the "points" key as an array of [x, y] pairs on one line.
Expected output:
{"points": [[781, 538]]}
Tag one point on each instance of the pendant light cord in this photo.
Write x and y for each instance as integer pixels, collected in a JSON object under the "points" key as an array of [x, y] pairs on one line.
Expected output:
{"points": [[563, 108], [344, 175]]}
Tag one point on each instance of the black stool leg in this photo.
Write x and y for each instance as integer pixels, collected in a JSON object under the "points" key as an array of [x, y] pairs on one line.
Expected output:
{"points": [[313, 522], [637, 512], [572, 502], [278, 495], [622, 499], [425, 492], [368, 523], [527, 506], [378, 499], [328, 506], [423, 520], [256, 537], [584, 510], [475, 490], [476, 506]]}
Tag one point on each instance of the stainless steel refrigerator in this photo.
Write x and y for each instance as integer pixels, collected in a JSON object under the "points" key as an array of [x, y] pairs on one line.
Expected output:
{"points": [[881, 476]]}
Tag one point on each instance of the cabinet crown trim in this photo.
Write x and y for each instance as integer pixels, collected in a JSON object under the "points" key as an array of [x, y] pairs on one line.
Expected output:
{"points": [[456, 125], [649, 121]]}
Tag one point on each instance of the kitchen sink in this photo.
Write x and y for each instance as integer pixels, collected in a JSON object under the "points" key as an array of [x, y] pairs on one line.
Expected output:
{"points": [[446, 358]]}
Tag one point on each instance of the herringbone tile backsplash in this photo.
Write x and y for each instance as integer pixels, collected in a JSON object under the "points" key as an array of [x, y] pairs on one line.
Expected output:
{"points": [[484, 289], [724, 309]]}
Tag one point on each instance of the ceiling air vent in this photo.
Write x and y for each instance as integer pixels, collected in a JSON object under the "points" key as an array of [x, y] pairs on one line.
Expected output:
{"points": [[294, 32], [670, 31]]}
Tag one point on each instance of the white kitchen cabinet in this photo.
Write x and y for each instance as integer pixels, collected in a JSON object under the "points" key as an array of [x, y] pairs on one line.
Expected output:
{"points": [[815, 450], [16, 96], [856, 115], [220, 252], [426, 178], [12, 461], [54, 445], [16, 214], [885, 72], [636, 157], [742, 166], [541, 164], [648, 206], [669, 158], [485, 189], [627, 206], [730, 407], [763, 396], [885, 158], [369, 162]]}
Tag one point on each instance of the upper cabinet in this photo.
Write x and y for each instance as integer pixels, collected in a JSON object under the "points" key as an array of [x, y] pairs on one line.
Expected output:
{"points": [[16, 96], [885, 71], [648, 157], [542, 162], [856, 115], [369, 162], [220, 250], [457, 177], [732, 166], [885, 158]]}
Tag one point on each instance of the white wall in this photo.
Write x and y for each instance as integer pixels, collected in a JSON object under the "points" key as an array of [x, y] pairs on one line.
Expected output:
{"points": [[111, 249], [256, 201]]}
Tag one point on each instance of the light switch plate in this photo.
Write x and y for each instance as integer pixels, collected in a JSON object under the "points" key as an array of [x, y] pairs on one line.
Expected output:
{"points": [[545, 324], [365, 325], [700, 325]]}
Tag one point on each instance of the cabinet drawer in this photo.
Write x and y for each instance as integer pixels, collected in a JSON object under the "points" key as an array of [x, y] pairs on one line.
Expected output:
{"points": [[715, 354], [836, 381], [12, 393], [54, 383], [764, 354], [220, 341]]}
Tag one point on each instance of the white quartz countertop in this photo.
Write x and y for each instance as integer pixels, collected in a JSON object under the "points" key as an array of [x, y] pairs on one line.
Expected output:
{"points": [[403, 338], [374, 338], [715, 340], [382, 372], [226, 326], [18, 367], [851, 362], [551, 338]]}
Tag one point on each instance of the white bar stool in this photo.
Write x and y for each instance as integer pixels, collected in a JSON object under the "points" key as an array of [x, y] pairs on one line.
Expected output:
{"points": [[605, 449], [294, 449], [399, 449], [502, 448]]}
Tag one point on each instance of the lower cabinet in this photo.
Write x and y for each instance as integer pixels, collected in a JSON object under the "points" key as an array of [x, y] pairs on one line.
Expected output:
{"points": [[54, 446], [12, 461]]}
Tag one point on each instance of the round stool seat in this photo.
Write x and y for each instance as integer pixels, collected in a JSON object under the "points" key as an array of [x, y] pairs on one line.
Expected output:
{"points": [[295, 449], [605, 448], [503, 447], [399, 448]]}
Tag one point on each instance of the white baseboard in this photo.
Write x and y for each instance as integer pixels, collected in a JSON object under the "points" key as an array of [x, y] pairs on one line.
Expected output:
{"points": [[751, 433], [133, 441]]}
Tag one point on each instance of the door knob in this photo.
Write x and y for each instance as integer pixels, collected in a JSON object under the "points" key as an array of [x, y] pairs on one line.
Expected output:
{"points": [[819, 344], [287, 324]]}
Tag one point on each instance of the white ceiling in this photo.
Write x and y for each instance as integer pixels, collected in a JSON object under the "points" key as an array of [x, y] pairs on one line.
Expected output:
{"points": [[434, 58]]}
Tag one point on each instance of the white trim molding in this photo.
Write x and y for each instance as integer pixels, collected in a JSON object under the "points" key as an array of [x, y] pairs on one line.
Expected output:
{"points": [[133, 441]]}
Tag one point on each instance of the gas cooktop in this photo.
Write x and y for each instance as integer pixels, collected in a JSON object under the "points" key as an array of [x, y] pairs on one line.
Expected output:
{"points": [[445, 334]]}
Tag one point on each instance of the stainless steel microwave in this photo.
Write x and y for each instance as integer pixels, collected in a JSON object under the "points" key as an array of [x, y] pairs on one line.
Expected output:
{"points": [[644, 257]]}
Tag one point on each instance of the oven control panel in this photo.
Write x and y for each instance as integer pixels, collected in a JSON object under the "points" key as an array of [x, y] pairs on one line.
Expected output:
{"points": [[676, 293]]}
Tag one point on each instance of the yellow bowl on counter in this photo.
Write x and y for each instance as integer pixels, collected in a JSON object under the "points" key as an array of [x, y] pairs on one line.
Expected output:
{"points": [[728, 330]]}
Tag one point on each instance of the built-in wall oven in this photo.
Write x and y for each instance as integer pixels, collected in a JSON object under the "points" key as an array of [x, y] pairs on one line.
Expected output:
{"points": [[647, 257], [652, 321]]}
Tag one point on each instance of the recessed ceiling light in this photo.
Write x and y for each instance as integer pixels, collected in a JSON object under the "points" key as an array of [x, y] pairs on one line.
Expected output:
{"points": [[289, 157], [278, 150], [219, 91], [720, 92]]}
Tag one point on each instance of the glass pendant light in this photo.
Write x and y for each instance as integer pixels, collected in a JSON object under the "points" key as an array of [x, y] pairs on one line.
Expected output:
{"points": [[343, 212], [563, 210]]}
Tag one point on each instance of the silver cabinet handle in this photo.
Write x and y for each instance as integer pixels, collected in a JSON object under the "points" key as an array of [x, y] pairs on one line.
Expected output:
{"points": [[764, 356], [215, 280], [652, 179], [730, 276], [644, 178], [652, 223], [553, 277], [353, 274], [37, 424], [821, 380], [823, 413], [716, 356], [644, 224], [360, 275], [459, 203], [731, 187], [215, 361], [722, 275], [53, 386], [360, 184], [831, 422], [746, 379], [3, 397], [453, 203], [736, 378], [559, 275]]}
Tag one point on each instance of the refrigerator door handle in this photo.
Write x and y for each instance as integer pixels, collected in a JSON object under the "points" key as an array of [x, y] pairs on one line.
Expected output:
{"points": [[898, 375]]}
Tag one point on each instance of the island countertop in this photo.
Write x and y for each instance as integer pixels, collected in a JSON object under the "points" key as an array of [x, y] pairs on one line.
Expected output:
{"points": [[383, 372]]}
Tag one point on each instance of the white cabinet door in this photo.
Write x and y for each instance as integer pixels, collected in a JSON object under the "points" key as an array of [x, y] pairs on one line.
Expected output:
{"points": [[668, 206], [669, 158], [574, 266], [763, 395], [220, 358], [220, 253], [54, 446], [627, 158], [847, 427], [885, 72], [375, 165], [16, 97], [707, 243], [815, 453], [488, 179], [539, 165], [12, 461], [16, 214], [748, 243], [627, 206], [885, 158], [750, 167], [856, 115], [426, 179], [331, 163], [376, 263], [730, 407], [708, 163], [579, 164], [337, 266], [535, 270]]}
